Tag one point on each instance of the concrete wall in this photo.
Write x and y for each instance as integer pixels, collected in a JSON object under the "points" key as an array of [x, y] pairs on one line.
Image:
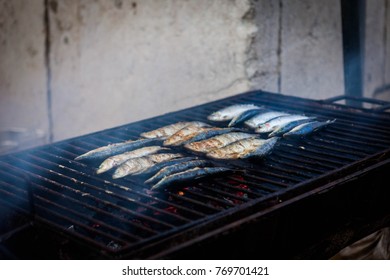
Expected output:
{"points": [[299, 48], [23, 99], [114, 62], [377, 48]]}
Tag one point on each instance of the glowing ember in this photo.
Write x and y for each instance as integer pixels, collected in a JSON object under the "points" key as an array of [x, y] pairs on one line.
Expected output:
{"points": [[243, 186], [171, 209]]}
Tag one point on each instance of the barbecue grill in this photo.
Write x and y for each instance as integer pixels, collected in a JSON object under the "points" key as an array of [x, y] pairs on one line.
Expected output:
{"points": [[308, 199]]}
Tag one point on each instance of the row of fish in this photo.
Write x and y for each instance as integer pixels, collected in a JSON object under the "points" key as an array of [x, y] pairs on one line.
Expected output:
{"points": [[152, 155], [267, 121], [164, 166], [214, 142]]}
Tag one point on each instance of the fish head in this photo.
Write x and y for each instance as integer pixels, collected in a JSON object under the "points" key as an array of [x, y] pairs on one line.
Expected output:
{"points": [[119, 173], [104, 166]]}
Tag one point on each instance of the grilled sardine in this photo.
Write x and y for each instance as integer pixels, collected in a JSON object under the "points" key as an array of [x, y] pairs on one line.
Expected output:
{"points": [[278, 121], [245, 148], [306, 128], [166, 131], [176, 168], [186, 133], [211, 133], [121, 158], [138, 165], [118, 148], [246, 115], [230, 112], [280, 130], [261, 118], [216, 142], [189, 175], [158, 166]]}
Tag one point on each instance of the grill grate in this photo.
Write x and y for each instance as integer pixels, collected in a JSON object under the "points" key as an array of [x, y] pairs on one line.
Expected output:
{"points": [[119, 216]]}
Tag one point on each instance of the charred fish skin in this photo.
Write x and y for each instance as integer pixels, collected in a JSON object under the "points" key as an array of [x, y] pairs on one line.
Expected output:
{"points": [[132, 166], [165, 131], [230, 112], [261, 118], [117, 160], [185, 134], [211, 133], [117, 148], [176, 168], [216, 142], [189, 175], [158, 166], [270, 125], [246, 115], [245, 148], [264, 149], [279, 131], [307, 128], [137, 166]]}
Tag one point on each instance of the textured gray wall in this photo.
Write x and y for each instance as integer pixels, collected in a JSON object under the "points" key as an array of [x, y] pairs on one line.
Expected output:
{"points": [[114, 62], [377, 48], [299, 48], [23, 98]]}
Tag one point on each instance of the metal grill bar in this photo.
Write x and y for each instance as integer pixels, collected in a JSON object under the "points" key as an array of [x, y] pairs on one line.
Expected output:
{"points": [[120, 215], [133, 192]]}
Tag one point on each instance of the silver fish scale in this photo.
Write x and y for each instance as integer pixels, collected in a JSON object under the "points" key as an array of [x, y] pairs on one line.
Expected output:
{"points": [[239, 149], [121, 158], [184, 134], [218, 141], [138, 165], [230, 112], [162, 157], [165, 131], [278, 121], [132, 166], [257, 120]]}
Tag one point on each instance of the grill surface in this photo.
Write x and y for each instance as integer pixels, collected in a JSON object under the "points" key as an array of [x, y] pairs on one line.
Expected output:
{"points": [[123, 218]]}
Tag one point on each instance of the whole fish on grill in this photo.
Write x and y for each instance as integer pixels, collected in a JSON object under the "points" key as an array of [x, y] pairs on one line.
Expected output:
{"points": [[166, 131], [176, 168], [261, 118], [307, 128], [121, 158], [280, 130], [118, 148], [211, 133], [189, 175], [245, 148], [138, 165], [278, 121], [246, 115], [216, 142], [230, 112], [160, 165], [186, 133]]}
